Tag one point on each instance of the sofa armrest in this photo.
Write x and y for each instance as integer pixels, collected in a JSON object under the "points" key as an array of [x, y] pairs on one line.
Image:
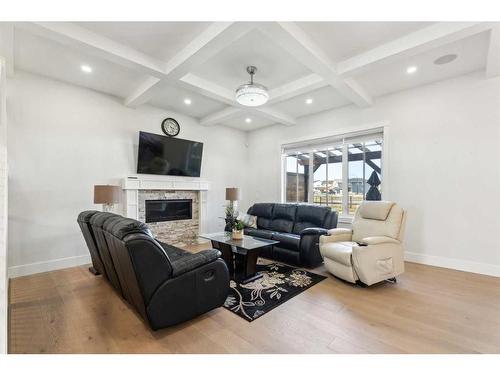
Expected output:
{"points": [[337, 235], [309, 246], [188, 295], [314, 231], [376, 240], [191, 261]]}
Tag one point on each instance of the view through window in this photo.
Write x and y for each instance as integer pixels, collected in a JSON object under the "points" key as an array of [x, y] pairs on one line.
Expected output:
{"points": [[340, 175]]}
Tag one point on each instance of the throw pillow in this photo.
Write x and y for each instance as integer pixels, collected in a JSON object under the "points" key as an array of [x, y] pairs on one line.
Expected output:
{"points": [[249, 221]]}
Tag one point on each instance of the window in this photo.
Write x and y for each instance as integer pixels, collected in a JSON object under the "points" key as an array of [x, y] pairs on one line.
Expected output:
{"points": [[339, 172], [297, 176]]}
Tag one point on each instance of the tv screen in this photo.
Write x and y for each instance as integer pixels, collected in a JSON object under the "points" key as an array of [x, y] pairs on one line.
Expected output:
{"points": [[168, 156]]}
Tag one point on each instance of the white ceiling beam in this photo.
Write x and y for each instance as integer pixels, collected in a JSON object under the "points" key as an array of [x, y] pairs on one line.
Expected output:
{"points": [[208, 88], [142, 93], [298, 44], [86, 41], [7, 46], [493, 60], [211, 41], [422, 40], [295, 88], [274, 115], [221, 94], [221, 116]]}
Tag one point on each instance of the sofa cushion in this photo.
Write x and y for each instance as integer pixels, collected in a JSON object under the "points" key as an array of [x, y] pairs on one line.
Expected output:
{"points": [[261, 233], [248, 220], [264, 213], [287, 240], [309, 216], [283, 217]]}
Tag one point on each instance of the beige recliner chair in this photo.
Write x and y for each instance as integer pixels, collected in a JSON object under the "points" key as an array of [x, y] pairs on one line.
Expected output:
{"points": [[372, 251]]}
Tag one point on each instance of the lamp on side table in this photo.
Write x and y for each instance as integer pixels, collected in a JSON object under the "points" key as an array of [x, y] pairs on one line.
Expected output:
{"points": [[107, 195]]}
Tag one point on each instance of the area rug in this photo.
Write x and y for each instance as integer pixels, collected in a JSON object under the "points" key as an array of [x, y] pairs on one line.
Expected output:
{"points": [[278, 284]]}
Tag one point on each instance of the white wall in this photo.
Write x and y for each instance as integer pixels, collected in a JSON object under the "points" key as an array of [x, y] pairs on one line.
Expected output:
{"points": [[444, 166], [64, 139], [3, 213]]}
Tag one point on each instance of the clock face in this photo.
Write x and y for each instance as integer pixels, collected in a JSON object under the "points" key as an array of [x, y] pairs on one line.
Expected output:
{"points": [[170, 127]]}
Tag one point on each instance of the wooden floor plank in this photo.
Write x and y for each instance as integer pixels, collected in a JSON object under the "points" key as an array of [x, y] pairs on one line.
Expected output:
{"points": [[429, 310]]}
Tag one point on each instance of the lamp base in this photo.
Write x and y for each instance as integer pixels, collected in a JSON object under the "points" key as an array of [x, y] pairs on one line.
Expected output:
{"points": [[107, 207]]}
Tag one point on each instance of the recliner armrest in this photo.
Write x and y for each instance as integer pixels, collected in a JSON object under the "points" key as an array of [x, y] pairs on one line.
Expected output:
{"points": [[191, 261], [337, 235], [376, 240]]}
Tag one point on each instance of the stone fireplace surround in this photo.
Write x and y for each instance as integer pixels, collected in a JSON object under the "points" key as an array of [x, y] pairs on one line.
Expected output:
{"points": [[139, 188]]}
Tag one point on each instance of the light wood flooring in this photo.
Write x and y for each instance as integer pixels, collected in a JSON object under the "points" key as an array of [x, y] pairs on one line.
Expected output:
{"points": [[429, 310]]}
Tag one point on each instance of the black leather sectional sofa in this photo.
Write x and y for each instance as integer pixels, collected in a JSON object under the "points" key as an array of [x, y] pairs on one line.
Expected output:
{"points": [[296, 226], [165, 284]]}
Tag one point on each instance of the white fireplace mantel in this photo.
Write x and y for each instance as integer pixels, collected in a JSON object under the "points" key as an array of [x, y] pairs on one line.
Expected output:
{"points": [[132, 184], [153, 182]]}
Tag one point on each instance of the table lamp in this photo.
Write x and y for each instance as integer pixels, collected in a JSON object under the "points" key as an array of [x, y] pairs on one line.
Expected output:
{"points": [[107, 195], [233, 195]]}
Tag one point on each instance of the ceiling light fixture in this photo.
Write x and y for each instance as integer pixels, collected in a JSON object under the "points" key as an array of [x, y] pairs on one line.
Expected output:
{"points": [[445, 59], [411, 69], [187, 101], [86, 69], [309, 101], [252, 94], [248, 120]]}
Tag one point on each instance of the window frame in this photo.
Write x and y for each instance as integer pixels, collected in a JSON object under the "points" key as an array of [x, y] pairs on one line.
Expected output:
{"points": [[344, 138]]}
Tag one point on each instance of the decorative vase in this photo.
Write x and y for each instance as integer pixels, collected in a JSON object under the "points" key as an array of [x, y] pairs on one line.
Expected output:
{"points": [[237, 234]]}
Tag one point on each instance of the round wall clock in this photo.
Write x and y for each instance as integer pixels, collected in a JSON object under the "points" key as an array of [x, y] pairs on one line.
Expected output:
{"points": [[170, 127]]}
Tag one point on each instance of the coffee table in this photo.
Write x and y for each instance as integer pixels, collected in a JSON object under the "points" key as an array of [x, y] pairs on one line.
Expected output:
{"points": [[239, 255]]}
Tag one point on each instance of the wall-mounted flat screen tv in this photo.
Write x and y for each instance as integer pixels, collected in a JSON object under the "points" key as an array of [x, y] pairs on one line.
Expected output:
{"points": [[168, 156]]}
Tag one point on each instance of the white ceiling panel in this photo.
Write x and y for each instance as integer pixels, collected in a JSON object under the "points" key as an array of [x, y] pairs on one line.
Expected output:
{"points": [[279, 53], [38, 55], [161, 40], [275, 67], [393, 77], [322, 99], [240, 122], [341, 40], [169, 97]]}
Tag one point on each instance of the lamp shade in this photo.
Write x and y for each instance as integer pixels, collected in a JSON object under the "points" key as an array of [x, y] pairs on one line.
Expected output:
{"points": [[106, 194], [232, 194]]}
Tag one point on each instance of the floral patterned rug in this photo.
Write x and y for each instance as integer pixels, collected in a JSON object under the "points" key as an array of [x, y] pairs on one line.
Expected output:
{"points": [[278, 284]]}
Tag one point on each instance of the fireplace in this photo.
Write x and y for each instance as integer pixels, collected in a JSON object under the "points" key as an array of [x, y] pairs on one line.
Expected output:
{"points": [[168, 210]]}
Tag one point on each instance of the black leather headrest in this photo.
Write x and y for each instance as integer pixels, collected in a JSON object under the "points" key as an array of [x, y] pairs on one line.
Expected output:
{"points": [[99, 218], [123, 226], [313, 214], [84, 216], [262, 210], [284, 211]]}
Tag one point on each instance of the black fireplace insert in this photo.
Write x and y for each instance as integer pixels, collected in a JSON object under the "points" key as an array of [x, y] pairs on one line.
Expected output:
{"points": [[168, 210]]}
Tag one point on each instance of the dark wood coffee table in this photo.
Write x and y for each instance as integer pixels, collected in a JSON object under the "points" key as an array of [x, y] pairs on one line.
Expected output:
{"points": [[240, 255]]}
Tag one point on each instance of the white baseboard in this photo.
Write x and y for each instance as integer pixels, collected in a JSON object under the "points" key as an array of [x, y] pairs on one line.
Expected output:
{"points": [[50, 265], [453, 263]]}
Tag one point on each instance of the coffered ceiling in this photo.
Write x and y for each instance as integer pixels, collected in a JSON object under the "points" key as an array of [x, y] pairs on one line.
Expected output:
{"points": [[195, 67]]}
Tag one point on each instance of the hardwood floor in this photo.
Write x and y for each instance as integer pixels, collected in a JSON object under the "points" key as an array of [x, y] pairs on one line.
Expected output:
{"points": [[429, 310]]}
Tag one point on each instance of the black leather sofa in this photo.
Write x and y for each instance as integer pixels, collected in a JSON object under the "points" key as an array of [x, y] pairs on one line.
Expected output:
{"points": [[296, 226], [165, 284]]}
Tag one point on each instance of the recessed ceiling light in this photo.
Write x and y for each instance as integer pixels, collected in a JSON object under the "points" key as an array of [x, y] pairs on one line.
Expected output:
{"points": [[248, 120], [445, 59], [187, 101], [309, 101], [411, 69], [86, 69]]}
